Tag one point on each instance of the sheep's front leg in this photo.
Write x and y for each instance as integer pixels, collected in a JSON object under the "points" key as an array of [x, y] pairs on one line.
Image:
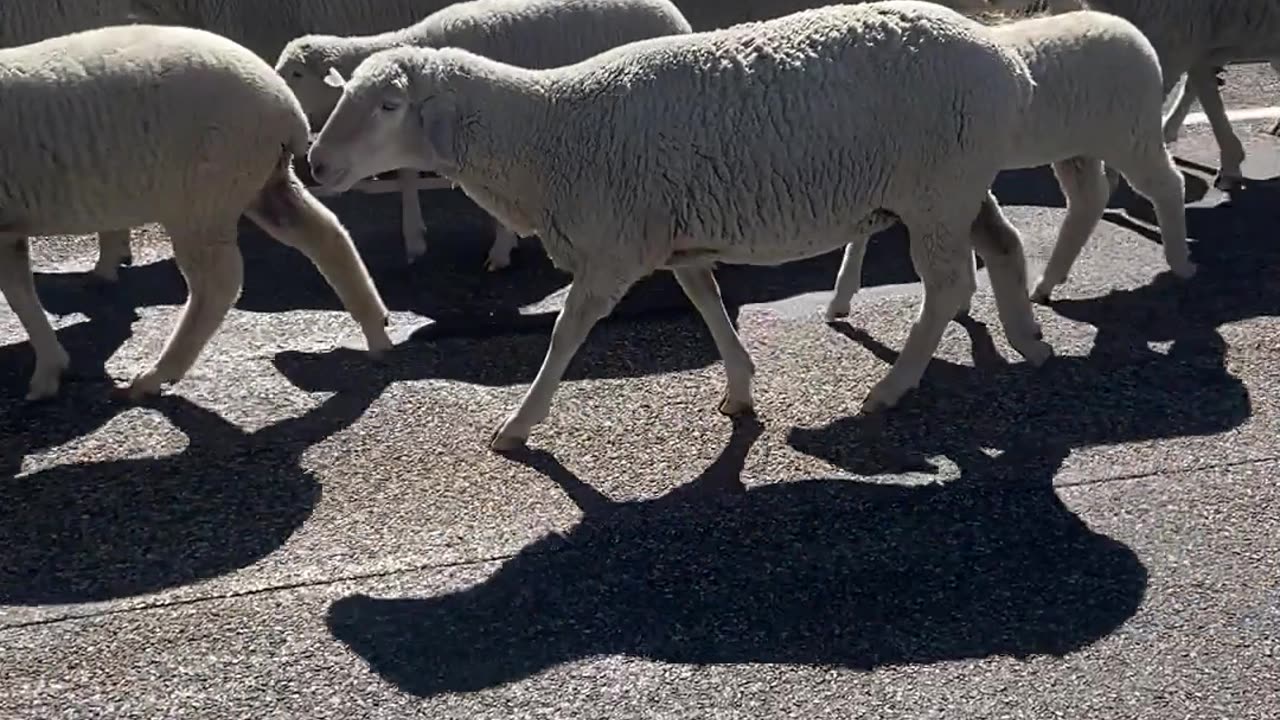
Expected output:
{"points": [[1085, 187], [412, 227], [589, 299], [504, 242], [939, 253], [699, 284], [1230, 150], [19, 290], [113, 251], [214, 271]]}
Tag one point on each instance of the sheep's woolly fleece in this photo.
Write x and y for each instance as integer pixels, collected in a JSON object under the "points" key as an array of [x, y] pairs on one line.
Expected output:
{"points": [[755, 144], [265, 27], [133, 124]]}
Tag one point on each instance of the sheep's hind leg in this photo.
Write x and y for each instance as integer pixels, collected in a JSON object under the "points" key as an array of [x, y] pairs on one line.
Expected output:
{"points": [[210, 262], [1000, 245], [849, 277], [504, 242], [589, 299], [412, 227], [1085, 187], [1151, 172], [1230, 150], [113, 251], [1275, 65], [699, 284], [19, 290], [939, 252], [293, 216]]}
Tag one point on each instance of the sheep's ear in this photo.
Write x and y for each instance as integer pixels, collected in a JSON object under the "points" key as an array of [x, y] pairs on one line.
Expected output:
{"points": [[334, 78], [438, 119]]}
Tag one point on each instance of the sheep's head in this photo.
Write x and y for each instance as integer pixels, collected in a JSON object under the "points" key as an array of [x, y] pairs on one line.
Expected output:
{"points": [[397, 110], [304, 64]]}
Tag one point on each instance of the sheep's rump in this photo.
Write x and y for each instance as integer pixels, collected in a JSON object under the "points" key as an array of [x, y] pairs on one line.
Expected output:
{"points": [[1098, 85], [809, 124], [116, 125], [546, 33]]}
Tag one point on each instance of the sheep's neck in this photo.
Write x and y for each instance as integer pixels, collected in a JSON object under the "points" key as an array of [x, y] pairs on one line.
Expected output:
{"points": [[500, 155]]}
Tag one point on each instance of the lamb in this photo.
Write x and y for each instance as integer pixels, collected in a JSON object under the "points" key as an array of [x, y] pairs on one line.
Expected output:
{"points": [[1097, 100], [27, 21], [1191, 37], [133, 124], [759, 143], [528, 33], [265, 28]]}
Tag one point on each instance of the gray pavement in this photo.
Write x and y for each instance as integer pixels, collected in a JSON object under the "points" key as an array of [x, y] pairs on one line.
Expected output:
{"points": [[295, 532]]}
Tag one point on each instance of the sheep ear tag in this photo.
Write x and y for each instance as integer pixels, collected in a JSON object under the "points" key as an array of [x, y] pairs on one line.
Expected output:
{"points": [[334, 78]]}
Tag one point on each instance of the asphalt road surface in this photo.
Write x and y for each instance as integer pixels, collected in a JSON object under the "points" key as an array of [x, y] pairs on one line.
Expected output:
{"points": [[294, 532]]}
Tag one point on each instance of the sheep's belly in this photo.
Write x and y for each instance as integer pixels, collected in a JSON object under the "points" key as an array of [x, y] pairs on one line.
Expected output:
{"points": [[778, 243], [762, 249]]}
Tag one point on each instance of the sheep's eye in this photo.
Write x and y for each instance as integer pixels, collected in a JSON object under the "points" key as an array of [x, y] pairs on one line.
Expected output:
{"points": [[297, 74], [390, 105]]}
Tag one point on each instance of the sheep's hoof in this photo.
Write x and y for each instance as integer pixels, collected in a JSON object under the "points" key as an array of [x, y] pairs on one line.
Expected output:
{"points": [[1275, 129], [1227, 183], [503, 440], [734, 408], [46, 380], [495, 263], [1185, 269], [835, 311], [963, 312], [43, 388], [1036, 352], [378, 343], [882, 397], [415, 246], [1043, 290]]}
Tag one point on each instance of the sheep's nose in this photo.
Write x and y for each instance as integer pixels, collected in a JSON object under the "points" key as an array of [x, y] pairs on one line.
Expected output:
{"points": [[319, 171]]}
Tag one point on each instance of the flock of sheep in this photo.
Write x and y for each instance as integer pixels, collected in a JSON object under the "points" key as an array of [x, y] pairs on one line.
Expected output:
{"points": [[629, 136]]}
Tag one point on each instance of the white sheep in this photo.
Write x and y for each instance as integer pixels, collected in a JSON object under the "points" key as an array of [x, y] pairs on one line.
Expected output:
{"points": [[715, 14], [759, 144], [1190, 38], [528, 33], [27, 21], [266, 27], [128, 125], [1097, 100]]}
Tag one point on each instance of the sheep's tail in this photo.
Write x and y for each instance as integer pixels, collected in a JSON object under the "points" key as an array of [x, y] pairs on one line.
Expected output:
{"points": [[288, 212]]}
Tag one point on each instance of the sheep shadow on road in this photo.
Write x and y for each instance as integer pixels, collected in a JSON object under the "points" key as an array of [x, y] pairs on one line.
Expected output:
{"points": [[1104, 398], [94, 531], [808, 572], [1123, 391]]}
